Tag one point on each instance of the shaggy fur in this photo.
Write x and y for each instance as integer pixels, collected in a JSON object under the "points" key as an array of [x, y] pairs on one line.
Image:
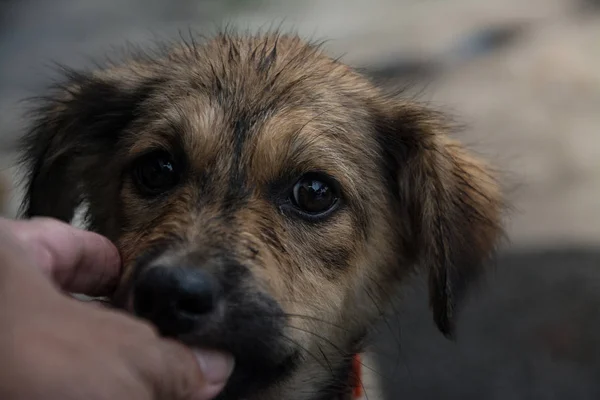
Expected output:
{"points": [[244, 118]]}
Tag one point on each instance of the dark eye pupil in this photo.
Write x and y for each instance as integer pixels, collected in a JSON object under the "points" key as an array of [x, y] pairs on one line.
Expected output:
{"points": [[155, 174], [313, 196]]}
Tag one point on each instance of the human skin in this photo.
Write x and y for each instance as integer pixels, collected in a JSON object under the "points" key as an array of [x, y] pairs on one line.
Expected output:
{"points": [[55, 347]]}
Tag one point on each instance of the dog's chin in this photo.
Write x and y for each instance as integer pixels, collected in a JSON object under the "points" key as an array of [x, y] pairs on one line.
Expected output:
{"points": [[259, 364], [263, 357]]}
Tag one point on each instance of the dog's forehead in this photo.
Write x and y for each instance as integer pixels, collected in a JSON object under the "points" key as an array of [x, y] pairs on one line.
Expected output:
{"points": [[265, 103], [266, 145]]}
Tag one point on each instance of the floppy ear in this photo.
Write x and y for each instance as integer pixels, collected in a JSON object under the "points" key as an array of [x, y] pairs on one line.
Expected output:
{"points": [[451, 200], [74, 127]]}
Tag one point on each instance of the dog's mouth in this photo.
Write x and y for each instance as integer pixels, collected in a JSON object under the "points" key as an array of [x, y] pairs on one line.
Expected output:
{"points": [[254, 371], [262, 356], [246, 323]]}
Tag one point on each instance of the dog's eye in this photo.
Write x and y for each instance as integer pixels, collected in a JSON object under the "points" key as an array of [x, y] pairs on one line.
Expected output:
{"points": [[155, 173], [314, 194]]}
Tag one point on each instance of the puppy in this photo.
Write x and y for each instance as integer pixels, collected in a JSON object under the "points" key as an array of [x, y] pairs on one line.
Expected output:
{"points": [[266, 200]]}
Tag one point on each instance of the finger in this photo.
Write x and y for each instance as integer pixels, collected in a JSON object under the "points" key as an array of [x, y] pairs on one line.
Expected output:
{"points": [[93, 267], [183, 374], [77, 260]]}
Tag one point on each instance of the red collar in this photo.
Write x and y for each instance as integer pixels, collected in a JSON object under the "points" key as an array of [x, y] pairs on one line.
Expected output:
{"points": [[356, 377]]}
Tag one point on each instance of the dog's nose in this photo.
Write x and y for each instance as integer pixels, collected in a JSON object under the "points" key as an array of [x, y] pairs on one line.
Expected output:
{"points": [[175, 299]]}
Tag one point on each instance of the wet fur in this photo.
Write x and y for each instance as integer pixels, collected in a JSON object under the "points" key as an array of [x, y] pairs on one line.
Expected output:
{"points": [[247, 115]]}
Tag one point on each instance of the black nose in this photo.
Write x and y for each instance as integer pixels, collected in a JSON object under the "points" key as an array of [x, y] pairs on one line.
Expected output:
{"points": [[175, 299]]}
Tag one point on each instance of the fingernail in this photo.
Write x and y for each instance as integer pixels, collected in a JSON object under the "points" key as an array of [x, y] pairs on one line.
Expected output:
{"points": [[216, 366]]}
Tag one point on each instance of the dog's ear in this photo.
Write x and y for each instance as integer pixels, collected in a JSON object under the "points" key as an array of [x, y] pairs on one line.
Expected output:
{"points": [[73, 128], [451, 200]]}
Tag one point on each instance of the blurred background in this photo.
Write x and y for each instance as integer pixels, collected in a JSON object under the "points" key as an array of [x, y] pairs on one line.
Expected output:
{"points": [[523, 77]]}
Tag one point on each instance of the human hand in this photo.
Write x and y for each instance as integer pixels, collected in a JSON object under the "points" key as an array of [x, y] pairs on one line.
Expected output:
{"points": [[55, 347]]}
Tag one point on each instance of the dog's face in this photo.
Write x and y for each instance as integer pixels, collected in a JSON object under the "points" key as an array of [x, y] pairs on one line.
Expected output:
{"points": [[265, 198]]}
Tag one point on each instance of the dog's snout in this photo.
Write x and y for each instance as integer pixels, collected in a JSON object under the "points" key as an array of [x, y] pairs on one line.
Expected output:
{"points": [[175, 299]]}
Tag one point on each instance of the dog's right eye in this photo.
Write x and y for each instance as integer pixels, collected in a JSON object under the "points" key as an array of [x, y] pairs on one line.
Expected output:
{"points": [[315, 196], [155, 173]]}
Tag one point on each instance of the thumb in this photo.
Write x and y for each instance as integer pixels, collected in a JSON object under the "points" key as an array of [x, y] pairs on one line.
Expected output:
{"points": [[77, 260], [185, 374]]}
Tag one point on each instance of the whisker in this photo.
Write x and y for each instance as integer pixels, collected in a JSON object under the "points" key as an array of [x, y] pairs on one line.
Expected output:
{"points": [[387, 324], [325, 358], [396, 312], [309, 317], [301, 316], [342, 352], [295, 343]]}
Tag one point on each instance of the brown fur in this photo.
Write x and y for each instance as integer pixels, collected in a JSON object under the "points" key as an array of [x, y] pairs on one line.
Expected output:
{"points": [[249, 115]]}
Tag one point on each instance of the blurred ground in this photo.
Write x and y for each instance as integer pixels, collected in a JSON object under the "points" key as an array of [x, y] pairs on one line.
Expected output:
{"points": [[532, 105]]}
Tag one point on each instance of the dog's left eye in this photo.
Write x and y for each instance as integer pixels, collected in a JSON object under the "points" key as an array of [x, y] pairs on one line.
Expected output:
{"points": [[314, 194], [155, 173]]}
